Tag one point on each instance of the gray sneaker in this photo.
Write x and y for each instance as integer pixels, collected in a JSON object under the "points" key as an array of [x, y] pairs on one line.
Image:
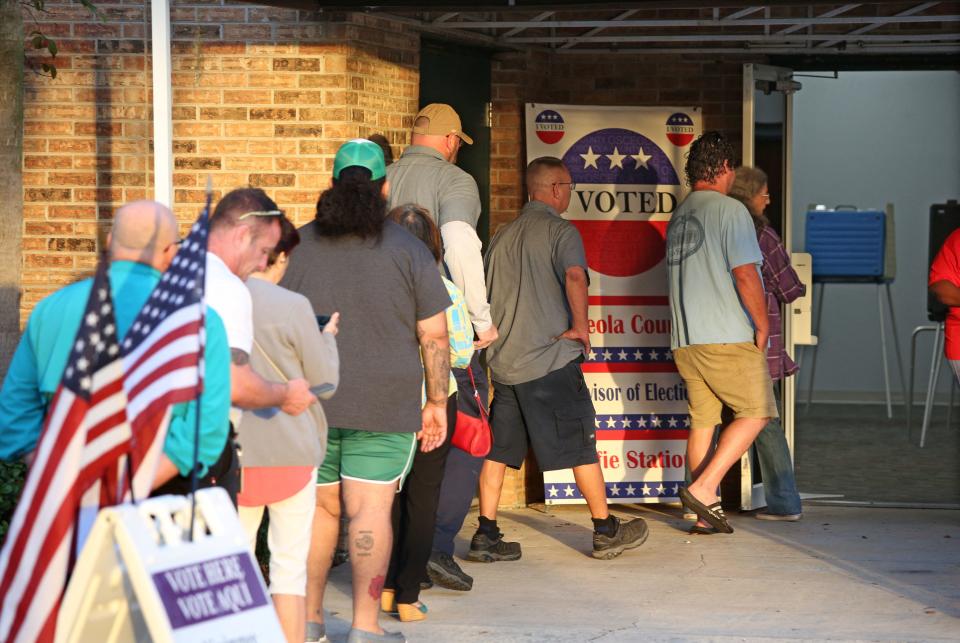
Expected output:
{"points": [[627, 536], [484, 549], [362, 636], [765, 515], [316, 633], [445, 572]]}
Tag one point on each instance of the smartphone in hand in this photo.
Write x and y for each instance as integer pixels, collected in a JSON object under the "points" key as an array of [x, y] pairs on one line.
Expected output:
{"points": [[323, 320]]}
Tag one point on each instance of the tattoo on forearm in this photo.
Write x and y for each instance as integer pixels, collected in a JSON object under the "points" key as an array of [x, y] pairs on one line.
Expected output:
{"points": [[239, 357], [436, 363], [376, 587], [364, 543]]}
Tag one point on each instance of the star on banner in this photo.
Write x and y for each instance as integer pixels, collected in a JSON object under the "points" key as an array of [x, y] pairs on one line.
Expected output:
{"points": [[616, 159], [637, 355], [646, 490], [622, 355], [607, 355], [672, 422], [614, 490], [553, 491], [661, 489], [590, 159], [568, 491], [611, 423], [627, 422], [631, 489], [641, 159], [592, 355], [653, 355]]}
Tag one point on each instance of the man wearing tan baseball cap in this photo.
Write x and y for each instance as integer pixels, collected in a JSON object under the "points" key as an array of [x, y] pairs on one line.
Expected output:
{"points": [[439, 119], [426, 174]]}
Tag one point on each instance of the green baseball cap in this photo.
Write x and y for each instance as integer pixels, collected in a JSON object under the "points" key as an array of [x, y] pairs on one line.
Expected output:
{"points": [[363, 153]]}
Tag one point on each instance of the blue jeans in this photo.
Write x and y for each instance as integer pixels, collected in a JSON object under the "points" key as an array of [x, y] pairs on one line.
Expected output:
{"points": [[779, 483], [461, 472]]}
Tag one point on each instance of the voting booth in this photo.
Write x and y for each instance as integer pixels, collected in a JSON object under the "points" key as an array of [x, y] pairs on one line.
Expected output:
{"points": [[141, 578], [853, 246]]}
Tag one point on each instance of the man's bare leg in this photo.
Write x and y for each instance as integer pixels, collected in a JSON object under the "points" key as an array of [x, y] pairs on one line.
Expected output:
{"points": [[368, 506], [323, 543], [699, 449], [735, 439], [491, 485], [589, 479]]}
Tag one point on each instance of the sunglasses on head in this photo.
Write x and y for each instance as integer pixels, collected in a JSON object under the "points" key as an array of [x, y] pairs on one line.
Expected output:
{"points": [[261, 213]]}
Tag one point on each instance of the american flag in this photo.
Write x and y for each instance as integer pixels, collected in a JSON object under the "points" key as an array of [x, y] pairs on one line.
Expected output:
{"points": [[163, 353], [85, 433]]}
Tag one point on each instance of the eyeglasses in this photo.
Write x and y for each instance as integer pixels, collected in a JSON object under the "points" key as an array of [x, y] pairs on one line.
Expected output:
{"points": [[766, 197], [261, 213], [572, 184]]}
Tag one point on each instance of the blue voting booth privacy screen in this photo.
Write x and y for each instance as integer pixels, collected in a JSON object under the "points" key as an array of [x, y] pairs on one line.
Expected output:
{"points": [[846, 243]]}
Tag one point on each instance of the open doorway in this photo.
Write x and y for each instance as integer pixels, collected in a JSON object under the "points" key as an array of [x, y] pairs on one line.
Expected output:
{"points": [[867, 139], [460, 76]]}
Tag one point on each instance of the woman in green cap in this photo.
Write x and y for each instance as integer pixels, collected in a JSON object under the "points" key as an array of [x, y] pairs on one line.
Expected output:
{"points": [[392, 304]]}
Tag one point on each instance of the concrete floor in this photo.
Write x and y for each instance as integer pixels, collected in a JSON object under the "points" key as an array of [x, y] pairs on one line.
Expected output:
{"points": [[841, 574]]}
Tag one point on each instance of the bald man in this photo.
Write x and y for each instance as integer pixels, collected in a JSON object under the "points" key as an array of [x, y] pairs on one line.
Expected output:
{"points": [[142, 244]]}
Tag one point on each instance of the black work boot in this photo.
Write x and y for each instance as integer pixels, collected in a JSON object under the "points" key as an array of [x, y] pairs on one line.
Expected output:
{"points": [[488, 548], [445, 572]]}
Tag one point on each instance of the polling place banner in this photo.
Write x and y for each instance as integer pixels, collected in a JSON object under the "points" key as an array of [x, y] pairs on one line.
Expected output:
{"points": [[627, 163]]}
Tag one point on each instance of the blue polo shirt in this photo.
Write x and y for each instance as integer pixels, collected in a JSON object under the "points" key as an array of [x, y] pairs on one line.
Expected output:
{"points": [[41, 357]]}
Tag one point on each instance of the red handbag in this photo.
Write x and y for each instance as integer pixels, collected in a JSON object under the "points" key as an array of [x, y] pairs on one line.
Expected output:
{"points": [[472, 434]]}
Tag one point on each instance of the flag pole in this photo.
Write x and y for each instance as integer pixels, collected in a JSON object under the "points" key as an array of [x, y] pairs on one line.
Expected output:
{"points": [[194, 471]]}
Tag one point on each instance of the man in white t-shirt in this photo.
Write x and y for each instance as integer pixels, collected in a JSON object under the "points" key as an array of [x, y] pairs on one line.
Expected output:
{"points": [[244, 228]]}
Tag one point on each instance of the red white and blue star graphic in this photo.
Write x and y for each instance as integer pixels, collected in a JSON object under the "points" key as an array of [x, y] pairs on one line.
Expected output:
{"points": [[620, 157], [680, 129], [622, 491], [629, 359], [549, 126]]}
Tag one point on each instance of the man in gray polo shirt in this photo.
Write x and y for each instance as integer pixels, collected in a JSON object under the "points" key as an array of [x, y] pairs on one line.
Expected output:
{"points": [[426, 175], [537, 282]]}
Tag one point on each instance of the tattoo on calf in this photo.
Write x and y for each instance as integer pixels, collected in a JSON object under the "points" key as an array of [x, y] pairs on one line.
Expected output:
{"points": [[239, 357], [364, 543], [376, 587]]}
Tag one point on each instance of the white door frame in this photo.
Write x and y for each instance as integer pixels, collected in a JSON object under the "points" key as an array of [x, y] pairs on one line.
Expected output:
{"points": [[751, 495], [162, 103]]}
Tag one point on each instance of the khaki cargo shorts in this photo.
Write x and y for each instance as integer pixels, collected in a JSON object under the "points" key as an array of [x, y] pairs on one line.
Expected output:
{"points": [[735, 375]]}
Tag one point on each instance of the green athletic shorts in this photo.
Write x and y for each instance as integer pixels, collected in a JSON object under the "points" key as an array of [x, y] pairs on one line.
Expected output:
{"points": [[367, 456]]}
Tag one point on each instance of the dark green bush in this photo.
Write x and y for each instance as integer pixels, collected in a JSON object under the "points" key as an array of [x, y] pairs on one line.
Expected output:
{"points": [[12, 475]]}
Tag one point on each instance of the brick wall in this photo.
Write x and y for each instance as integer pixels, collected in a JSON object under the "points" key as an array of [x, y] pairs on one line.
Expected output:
{"points": [[262, 97]]}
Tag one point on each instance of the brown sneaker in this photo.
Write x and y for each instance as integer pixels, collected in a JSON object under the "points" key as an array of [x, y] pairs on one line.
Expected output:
{"points": [[627, 536]]}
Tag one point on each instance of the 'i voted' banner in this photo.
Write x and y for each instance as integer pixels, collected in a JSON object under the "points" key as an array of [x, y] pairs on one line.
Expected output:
{"points": [[627, 163]]}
